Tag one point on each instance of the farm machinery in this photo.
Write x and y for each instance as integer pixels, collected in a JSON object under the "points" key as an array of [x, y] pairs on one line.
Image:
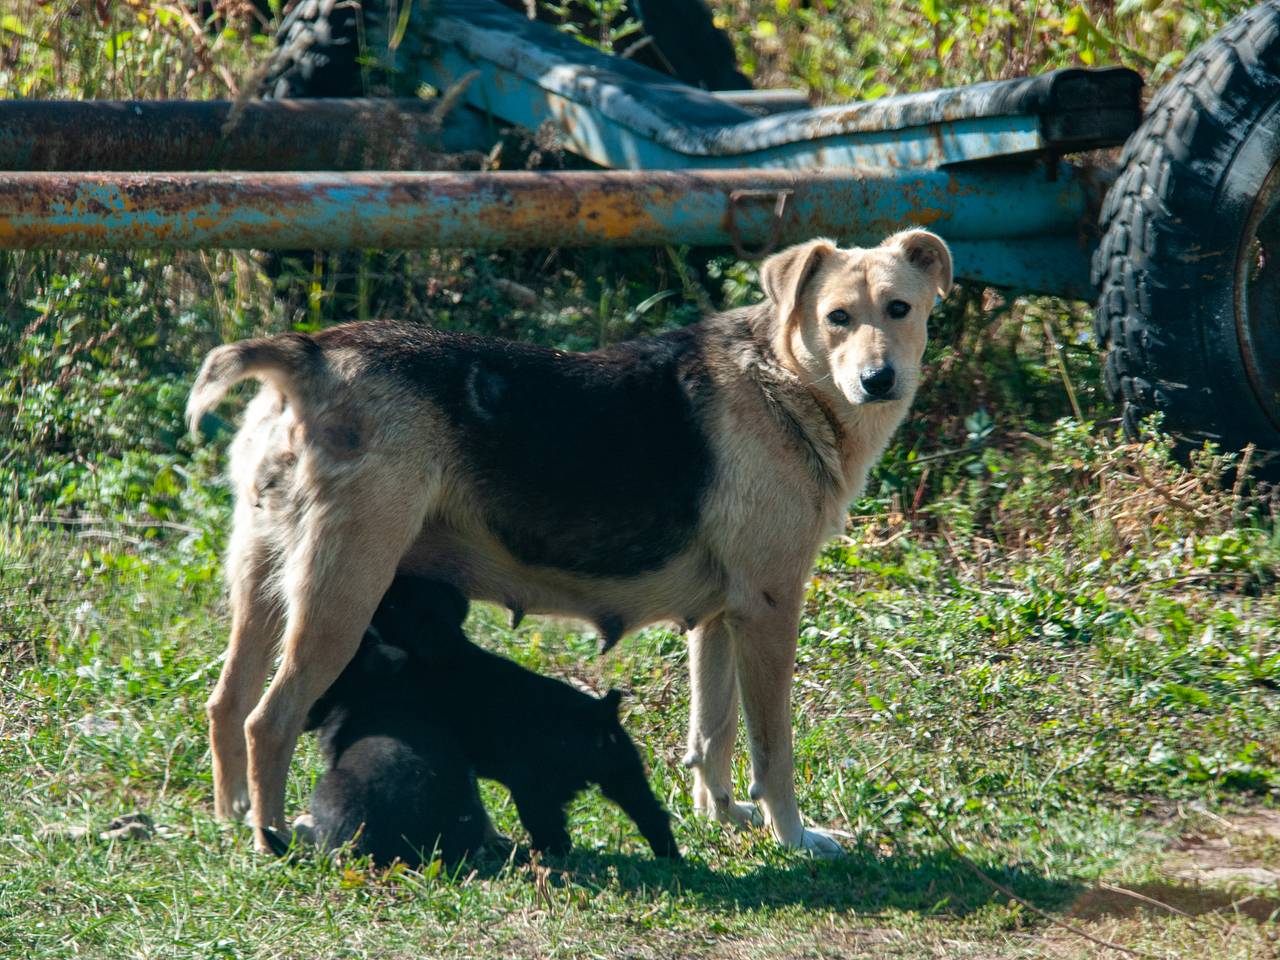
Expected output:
{"points": [[1177, 243]]}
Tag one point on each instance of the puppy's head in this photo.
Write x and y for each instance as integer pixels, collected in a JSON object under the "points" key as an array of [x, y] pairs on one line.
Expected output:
{"points": [[852, 323], [418, 615], [368, 678]]}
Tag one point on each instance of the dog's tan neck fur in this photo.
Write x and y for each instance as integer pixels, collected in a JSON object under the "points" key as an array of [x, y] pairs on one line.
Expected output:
{"points": [[840, 463]]}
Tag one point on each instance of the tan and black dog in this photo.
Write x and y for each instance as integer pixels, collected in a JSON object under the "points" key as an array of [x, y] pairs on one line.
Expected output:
{"points": [[688, 477]]}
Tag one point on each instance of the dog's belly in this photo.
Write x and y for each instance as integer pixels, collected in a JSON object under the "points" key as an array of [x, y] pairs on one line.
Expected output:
{"points": [[688, 589]]}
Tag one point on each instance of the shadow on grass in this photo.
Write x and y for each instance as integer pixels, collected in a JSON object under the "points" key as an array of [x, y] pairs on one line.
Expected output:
{"points": [[863, 881], [1162, 898]]}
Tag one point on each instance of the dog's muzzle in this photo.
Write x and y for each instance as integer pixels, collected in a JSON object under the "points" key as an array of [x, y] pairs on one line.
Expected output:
{"points": [[877, 382]]}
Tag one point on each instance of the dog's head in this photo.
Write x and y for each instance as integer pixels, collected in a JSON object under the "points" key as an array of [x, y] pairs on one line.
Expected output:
{"points": [[608, 736], [419, 615], [852, 323], [367, 680], [415, 616]]}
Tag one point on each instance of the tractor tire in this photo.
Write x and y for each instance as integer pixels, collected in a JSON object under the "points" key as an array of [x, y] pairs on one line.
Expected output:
{"points": [[318, 45], [318, 50], [1188, 269]]}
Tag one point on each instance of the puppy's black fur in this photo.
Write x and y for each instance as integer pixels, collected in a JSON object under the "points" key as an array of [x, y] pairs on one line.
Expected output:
{"points": [[542, 739], [396, 785]]}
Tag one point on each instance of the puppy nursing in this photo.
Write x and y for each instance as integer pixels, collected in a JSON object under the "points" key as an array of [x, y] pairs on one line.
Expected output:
{"points": [[689, 477], [421, 710], [397, 785]]}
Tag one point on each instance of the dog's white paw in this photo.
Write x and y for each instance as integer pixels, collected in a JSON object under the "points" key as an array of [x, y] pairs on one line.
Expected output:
{"points": [[736, 813], [744, 813], [820, 843], [233, 804]]}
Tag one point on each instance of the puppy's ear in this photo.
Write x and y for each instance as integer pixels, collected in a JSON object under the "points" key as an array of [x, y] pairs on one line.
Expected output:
{"points": [[443, 605], [455, 603], [611, 702], [784, 275], [927, 252], [318, 715]]}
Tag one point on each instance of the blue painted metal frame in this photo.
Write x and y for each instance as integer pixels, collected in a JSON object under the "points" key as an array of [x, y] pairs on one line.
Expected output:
{"points": [[583, 130], [979, 210], [619, 116], [978, 164]]}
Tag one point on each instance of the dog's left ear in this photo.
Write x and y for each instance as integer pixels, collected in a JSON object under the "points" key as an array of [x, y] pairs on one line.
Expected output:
{"points": [[784, 275], [928, 252]]}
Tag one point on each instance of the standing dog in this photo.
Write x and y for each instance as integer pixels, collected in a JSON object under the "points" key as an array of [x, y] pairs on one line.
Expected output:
{"points": [[689, 477]]}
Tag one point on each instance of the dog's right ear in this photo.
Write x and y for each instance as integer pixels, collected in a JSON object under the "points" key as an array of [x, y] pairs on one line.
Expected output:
{"points": [[611, 701], [784, 275], [443, 603]]}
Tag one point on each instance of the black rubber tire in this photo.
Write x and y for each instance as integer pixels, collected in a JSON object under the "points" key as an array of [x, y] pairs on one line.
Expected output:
{"points": [[318, 45], [319, 49], [1174, 226]]}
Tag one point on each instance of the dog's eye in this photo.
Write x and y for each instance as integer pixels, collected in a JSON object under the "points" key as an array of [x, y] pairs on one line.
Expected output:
{"points": [[838, 317], [899, 309]]}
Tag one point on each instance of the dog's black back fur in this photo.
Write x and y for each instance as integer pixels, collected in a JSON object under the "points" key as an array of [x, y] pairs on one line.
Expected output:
{"points": [[588, 462], [542, 739], [395, 784]]}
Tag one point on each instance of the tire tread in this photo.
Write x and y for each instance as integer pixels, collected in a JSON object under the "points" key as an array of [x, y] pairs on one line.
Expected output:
{"points": [[1150, 253]]}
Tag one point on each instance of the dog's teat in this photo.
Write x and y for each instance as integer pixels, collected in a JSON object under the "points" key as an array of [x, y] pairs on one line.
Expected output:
{"points": [[611, 628]]}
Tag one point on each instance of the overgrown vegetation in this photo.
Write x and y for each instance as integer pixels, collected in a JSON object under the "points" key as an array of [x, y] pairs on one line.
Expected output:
{"points": [[1040, 656]]}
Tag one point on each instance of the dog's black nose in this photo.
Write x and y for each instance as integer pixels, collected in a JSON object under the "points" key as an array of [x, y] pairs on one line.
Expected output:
{"points": [[877, 381]]}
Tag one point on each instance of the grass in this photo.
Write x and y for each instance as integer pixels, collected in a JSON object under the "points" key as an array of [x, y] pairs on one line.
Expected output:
{"points": [[1040, 660]]}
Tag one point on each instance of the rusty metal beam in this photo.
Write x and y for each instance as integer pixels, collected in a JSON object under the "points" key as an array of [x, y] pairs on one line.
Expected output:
{"points": [[1034, 221], [139, 135]]}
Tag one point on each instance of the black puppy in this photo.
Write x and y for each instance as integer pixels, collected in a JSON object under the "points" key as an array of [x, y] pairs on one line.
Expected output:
{"points": [[539, 737], [396, 785]]}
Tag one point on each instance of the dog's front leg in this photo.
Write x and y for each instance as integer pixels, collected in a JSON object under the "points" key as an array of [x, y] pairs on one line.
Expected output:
{"points": [[713, 724], [544, 818], [764, 634], [628, 787]]}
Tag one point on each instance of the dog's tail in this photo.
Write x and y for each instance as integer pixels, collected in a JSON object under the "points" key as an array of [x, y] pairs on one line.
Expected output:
{"points": [[291, 362]]}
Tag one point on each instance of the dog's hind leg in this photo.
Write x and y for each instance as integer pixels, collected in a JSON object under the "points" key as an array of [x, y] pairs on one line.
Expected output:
{"points": [[336, 572], [255, 629], [713, 723], [765, 635]]}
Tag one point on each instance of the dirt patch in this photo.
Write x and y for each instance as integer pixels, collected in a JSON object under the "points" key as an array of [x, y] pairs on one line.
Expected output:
{"points": [[1239, 852], [1226, 867], [1170, 898]]}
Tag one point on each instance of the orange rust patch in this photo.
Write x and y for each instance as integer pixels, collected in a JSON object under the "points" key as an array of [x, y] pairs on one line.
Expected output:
{"points": [[615, 215]]}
